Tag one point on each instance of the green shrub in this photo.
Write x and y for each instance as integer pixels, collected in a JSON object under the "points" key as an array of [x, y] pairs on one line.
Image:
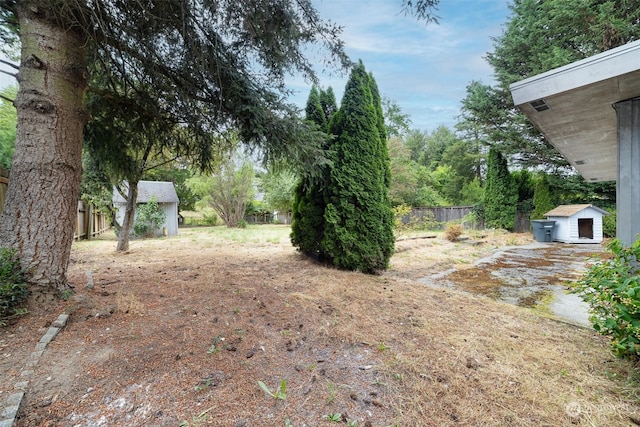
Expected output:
{"points": [[609, 224], [611, 287], [13, 286], [210, 219], [149, 218], [401, 217]]}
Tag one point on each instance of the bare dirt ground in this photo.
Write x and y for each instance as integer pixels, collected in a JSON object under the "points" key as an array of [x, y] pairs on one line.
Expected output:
{"points": [[178, 332]]}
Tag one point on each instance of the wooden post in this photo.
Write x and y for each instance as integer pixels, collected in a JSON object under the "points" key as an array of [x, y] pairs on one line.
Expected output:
{"points": [[89, 221]]}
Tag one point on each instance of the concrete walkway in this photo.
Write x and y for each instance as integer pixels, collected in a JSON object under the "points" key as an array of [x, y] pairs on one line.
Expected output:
{"points": [[538, 274]]}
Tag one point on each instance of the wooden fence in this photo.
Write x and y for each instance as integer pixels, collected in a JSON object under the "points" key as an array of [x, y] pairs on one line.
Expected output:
{"points": [[269, 218], [437, 217], [89, 222]]}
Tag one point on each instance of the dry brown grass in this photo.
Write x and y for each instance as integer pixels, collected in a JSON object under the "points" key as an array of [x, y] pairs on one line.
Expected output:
{"points": [[384, 349], [458, 359]]}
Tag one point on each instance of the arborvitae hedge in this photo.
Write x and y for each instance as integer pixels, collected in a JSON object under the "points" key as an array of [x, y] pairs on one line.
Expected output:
{"points": [[358, 217], [500, 193], [542, 199], [307, 224]]}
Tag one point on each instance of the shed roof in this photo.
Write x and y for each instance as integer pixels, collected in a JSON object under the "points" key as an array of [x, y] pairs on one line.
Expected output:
{"points": [[573, 107], [570, 210], [164, 192]]}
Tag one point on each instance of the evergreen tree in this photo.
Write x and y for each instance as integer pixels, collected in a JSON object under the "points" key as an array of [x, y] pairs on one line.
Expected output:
{"points": [[307, 213], [203, 65], [500, 193], [358, 218], [542, 199], [328, 103], [314, 111]]}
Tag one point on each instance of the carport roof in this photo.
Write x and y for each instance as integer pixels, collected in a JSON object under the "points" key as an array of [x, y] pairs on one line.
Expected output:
{"points": [[573, 107]]}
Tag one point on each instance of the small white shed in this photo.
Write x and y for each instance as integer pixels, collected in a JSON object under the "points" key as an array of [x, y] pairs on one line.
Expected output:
{"points": [[577, 223], [166, 196]]}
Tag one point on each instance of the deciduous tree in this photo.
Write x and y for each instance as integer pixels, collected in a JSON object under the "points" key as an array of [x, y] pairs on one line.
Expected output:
{"points": [[228, 190]]}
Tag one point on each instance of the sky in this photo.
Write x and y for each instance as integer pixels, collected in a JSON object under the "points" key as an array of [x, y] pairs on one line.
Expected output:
{"points": [[424, 68]]}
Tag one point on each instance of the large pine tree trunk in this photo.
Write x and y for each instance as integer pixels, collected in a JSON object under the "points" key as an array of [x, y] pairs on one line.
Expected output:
{"points": [[41, 207]]}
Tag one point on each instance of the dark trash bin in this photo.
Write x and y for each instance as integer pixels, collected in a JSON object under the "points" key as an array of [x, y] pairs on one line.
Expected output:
{"points": [[543, 230]]}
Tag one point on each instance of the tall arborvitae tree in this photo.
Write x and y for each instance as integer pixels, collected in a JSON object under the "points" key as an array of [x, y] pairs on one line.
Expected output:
{"points": [[500, 193], [314, 111], [307, 219], [328, 103], [358, 233], [542, 199]]}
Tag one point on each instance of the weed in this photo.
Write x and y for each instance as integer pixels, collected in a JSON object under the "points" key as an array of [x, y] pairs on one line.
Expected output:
{"points": [[214, 347], [453, 231], [333, 391], [512, 241], [205, 384], [377, 381], [236, 310], [67, 294], [334, 418], [383, 347], [197, 420], [128, 303], [131, 332], [352, 423], [279, 394]]}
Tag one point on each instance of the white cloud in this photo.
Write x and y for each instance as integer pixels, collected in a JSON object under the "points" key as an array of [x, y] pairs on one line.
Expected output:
{"points": [[424, 68]]}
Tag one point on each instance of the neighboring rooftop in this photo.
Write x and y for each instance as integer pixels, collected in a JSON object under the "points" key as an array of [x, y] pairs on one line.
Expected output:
{"points": [[573, 107]]}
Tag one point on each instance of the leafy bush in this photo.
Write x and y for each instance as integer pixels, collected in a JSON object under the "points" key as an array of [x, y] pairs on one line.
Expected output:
{"points": [[401, 216], [13, 286], [210, 218], [452, 231], [148, 219], [611, 287], [405, 219], [609, 224]]}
